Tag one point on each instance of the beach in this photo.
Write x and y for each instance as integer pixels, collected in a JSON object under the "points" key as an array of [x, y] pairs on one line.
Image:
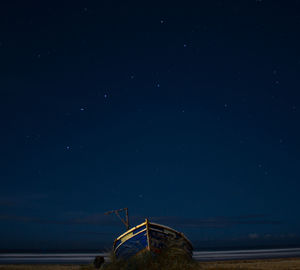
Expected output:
{"points": [[274, 264], [284, 258], [85, 258]]}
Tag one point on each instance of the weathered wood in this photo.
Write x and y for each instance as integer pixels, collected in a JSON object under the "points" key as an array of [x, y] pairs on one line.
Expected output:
{"points": [[148, 235]]}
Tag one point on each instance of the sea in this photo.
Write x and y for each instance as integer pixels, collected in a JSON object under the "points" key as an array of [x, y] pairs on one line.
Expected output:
{"points": [[88, 257]]}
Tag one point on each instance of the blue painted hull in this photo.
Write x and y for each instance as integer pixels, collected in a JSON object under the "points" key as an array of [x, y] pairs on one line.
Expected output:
{"points": [[132, 243], [150, 236]]}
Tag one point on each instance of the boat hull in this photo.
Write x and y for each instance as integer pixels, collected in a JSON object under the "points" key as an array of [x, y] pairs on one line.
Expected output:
{"points": [[152, 237]]}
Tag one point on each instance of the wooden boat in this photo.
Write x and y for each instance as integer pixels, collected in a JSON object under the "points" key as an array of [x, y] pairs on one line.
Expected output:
{"points": [[152, 237]]}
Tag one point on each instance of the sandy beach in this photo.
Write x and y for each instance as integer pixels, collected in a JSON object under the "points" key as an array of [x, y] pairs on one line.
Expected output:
{"points": [[274, 264]]}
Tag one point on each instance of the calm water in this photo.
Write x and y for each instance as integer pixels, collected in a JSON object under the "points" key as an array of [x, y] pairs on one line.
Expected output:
{"points": [[85, 258]]}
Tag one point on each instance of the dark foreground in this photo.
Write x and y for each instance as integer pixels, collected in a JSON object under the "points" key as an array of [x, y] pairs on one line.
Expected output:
{"points": [[168, 261], [87, 258], [274, 264]]}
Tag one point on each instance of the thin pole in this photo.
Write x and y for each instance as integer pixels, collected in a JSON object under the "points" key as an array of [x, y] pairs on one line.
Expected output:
{"points": [[127, 218], [148, 234]]}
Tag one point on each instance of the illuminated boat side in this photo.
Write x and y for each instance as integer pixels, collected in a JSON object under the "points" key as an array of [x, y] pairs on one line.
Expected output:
{"points": [[131, 242]]}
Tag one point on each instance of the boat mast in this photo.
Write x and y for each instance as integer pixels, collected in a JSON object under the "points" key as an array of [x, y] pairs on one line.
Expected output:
{"points": [[116, 212]]}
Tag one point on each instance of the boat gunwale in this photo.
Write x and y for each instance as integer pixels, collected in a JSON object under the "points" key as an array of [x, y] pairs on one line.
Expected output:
{"points": [[129, 231], [116, 247]]}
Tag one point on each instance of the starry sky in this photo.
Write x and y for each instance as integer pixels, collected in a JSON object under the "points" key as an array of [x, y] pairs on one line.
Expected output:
{"points": [[186, 113]]}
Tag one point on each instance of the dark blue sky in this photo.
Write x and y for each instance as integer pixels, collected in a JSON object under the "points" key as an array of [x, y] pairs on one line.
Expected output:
{"points": [[187, 113]]}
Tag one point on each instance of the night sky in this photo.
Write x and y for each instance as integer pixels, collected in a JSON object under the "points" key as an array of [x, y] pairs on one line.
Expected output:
{"points": [[186, 113]]}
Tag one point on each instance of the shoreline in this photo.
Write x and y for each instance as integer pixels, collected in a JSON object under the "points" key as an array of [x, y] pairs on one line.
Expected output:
{"points": [[201, 256]]}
